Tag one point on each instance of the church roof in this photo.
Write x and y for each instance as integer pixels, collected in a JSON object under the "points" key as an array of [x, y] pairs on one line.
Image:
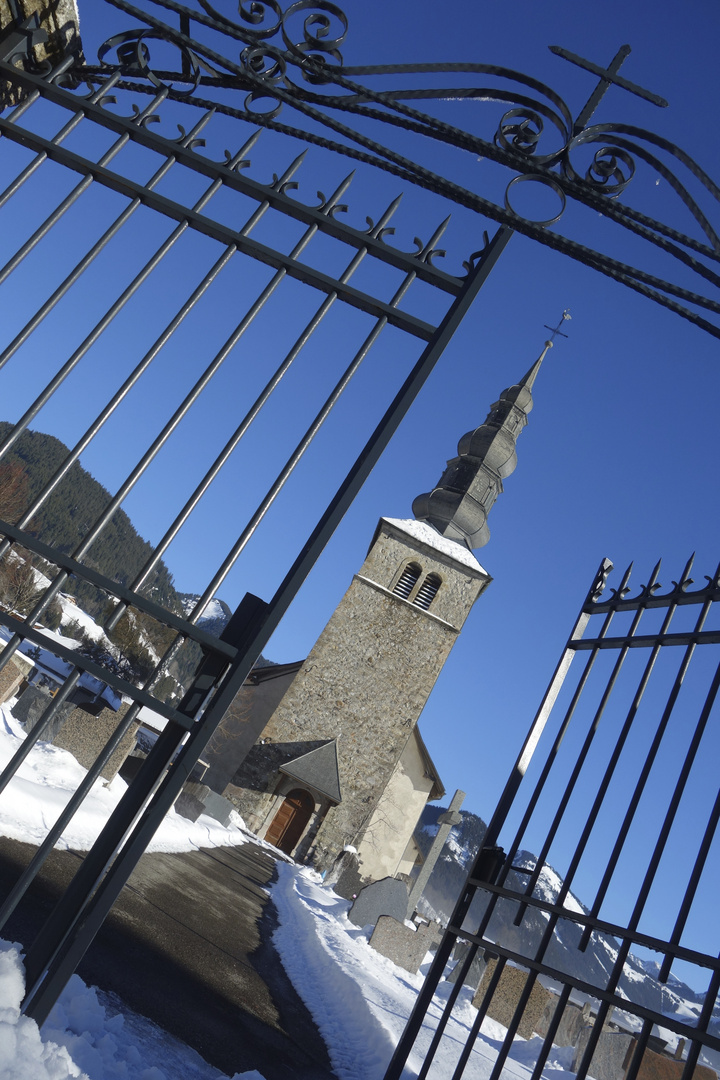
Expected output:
{"points": [[458, 506], [426, 534], [318, 769], [262, 672], [438, 789]]}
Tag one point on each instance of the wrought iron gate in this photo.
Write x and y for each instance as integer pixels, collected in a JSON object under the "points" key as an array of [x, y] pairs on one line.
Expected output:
{"points": [[623, 803], [76, 142], [91, 320]]}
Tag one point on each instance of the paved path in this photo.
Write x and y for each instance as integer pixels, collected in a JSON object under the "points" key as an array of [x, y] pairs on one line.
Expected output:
{"points": [[188, 945]]}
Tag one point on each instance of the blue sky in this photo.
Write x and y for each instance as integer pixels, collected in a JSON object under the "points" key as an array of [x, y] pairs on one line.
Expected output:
{"points": [[619, 458]]}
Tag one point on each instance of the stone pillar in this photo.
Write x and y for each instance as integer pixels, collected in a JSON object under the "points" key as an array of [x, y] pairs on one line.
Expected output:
{"points": [[447, 820]]}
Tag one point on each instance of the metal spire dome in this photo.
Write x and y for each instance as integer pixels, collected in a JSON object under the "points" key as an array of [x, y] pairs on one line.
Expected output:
{"points": [[459, 506]]}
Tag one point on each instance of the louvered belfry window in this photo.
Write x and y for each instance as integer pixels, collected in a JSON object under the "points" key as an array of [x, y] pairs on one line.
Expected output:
{"points": [[427, 591], [407, 580]]}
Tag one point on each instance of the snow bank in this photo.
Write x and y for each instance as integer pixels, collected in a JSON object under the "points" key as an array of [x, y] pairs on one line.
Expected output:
{"points": [[360, 1000], [80, 1040], [47, 779]]}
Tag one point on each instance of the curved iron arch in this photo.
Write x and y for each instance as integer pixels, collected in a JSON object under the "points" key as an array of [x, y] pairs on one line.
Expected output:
{"points": [[291, 63]]}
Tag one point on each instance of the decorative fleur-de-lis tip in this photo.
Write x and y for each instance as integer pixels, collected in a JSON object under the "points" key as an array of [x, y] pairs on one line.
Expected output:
{"points": [[240, 160], [281, 182], [653, 584], [713, 581], [685, 579], [624, 587], [380, 229], [601, 577], [331, 206], [439, 232], [426, 252]]}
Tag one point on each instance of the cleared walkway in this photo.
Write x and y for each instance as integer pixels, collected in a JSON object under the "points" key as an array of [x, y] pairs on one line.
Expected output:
{"points": [[189, 945]]}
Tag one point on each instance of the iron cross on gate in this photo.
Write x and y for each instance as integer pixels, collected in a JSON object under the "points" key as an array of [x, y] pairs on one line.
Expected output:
{"points": [[607, 76]]}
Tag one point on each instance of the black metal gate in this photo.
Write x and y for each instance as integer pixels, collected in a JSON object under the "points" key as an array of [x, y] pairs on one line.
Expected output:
{"points": [[143, 268], [620, 808], [118, 281]]}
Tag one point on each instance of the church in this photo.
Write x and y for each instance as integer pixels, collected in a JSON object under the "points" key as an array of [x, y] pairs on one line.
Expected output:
{"points": [[340, 763]]}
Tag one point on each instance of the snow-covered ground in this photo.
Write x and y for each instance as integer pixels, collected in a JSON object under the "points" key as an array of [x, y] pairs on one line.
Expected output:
{"points": [[359, 999]]}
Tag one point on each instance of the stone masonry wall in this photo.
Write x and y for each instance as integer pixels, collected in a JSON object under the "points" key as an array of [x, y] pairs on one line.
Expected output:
{"points": [[364, 683]]}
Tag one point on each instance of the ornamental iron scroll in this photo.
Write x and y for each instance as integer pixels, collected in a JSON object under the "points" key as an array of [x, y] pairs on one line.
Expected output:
{"points": [[290, 75]]}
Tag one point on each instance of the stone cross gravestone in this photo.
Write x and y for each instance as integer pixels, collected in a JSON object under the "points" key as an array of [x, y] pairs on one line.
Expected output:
{"points": [[446, 821], [385, 897], [403, 945]]}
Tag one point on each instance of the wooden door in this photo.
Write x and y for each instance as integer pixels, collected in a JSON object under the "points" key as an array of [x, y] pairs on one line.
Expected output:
{"points": [[289, 823]]}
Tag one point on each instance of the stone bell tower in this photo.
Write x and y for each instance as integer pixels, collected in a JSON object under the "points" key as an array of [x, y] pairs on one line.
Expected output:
{"points": [[316, 781]]}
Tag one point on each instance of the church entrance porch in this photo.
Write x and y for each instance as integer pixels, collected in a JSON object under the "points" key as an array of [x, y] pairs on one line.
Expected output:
{"points": [[291, 820]]}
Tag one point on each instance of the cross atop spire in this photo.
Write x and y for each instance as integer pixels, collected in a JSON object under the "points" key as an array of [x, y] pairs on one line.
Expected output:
{"points": [[556, 330], [608, 76]]}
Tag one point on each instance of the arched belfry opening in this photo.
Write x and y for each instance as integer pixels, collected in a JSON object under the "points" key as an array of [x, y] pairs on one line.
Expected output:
{"points": [[427, 591], [407, 581]]}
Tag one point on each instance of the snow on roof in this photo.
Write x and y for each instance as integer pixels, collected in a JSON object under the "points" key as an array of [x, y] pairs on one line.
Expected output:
{"points": [[427, 535], [151, 719]]}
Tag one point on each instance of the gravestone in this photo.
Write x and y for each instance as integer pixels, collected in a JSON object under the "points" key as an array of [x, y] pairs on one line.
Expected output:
{"points": [[388, 896], [477, 967], [84, 735], [572, 1022], [196, 799], [30, 706], [400, 943], [344, 876], [507, 995], [16, 669], [446, 822], [614, 1052]]}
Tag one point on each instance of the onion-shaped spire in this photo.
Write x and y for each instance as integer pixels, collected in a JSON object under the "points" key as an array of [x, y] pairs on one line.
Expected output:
{"points": [[458, 507]]}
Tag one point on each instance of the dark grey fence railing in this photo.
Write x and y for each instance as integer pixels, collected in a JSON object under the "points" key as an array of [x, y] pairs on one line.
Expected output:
{"points": [[622, 801]]}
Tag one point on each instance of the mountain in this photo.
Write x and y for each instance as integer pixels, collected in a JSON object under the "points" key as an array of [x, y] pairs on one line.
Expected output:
{"points": [[215, 616], [638, 982]]}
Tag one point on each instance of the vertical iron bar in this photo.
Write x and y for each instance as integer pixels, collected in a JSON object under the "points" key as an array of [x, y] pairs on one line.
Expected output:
{"points": [[691, 889], [99, 525], [648, 762], [87, 259], [39, 158], [301, 447], [578, 766], [34, 736], [69, 932], [66, 815], [252, 413], [624, 947], [442, 955], [70, 199], [555, 1022], [145, 362], [126, 295]]}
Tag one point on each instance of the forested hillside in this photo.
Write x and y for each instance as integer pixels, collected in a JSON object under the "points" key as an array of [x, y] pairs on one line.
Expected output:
{"points": [[70, 512]]}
